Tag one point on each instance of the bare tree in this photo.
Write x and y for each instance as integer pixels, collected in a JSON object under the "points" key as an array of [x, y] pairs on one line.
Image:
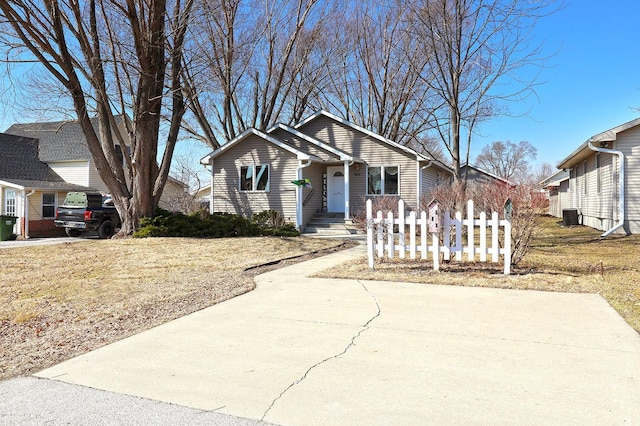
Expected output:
{"points": [[480, 54], [507, 160], [257, 64], [111, 58], [375, 77]]}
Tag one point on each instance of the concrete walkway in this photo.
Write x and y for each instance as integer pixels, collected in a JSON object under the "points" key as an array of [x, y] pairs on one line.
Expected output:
{"points": [[305, 351]]}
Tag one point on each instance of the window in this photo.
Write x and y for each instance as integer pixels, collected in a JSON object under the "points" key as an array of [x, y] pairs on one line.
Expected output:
{"points": [[254, 178], [48, 205], [598, 175], [383, 180], [10, 200]]}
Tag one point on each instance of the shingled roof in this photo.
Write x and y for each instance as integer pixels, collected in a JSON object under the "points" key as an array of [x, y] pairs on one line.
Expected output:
{"points": [[59, 140], [20, 165]]}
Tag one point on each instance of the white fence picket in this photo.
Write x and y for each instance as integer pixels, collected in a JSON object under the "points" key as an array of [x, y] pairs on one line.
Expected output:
{"points": [[376, 228]]}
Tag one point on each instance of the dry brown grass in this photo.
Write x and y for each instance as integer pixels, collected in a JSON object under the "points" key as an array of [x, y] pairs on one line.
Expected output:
{"points": [[562, 259], [61, 300]]}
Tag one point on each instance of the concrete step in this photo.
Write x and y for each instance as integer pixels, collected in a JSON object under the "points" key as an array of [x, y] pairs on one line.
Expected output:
{"points": [[321, 230]]}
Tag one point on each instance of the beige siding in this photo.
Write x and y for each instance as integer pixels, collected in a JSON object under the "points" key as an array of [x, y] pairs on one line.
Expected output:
{"points": [[35, 203], [600, 210], [304, 146], [629, 143], [559, 199], [373, 152], [227, 196]]}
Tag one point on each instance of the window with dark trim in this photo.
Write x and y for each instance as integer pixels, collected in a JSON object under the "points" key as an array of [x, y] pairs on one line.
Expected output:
{"points": [[254, 178], [48, 205], [383, 180]]}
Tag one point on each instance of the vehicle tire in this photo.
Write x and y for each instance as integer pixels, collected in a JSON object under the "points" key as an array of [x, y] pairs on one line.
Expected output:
{"points": [[72, 232], [106, 229]]}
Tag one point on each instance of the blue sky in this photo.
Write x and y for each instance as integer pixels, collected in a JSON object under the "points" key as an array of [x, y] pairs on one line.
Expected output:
{"points": [[591, 85]]}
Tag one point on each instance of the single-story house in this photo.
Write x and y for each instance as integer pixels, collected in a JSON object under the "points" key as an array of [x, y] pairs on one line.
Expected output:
{"points": [[557, 187], [29, 188], [321, 164], [604, 179]]}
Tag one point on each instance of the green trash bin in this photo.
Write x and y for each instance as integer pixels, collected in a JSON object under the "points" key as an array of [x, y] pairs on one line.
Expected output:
{"points": [[6, 227]]}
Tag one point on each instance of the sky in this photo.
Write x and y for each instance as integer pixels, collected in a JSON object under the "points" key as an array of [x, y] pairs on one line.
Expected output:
{"points": [[590, 85]]}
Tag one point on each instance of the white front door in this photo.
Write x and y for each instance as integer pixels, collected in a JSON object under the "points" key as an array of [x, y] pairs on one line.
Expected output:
{"points": [[335, 189]]}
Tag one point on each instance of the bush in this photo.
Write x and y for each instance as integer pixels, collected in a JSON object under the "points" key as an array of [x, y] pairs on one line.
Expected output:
{"points": [[215, 225], [527, 206]]}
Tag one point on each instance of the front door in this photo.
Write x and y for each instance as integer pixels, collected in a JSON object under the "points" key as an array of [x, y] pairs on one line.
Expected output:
{"points": [[335, 189]]}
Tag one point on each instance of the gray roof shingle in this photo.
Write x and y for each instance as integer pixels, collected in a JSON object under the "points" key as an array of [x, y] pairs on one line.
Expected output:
{"points": [[59, 141], [19, 164]]}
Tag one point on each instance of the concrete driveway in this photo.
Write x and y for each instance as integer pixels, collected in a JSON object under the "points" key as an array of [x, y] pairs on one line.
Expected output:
{"points": [[305, 351]]}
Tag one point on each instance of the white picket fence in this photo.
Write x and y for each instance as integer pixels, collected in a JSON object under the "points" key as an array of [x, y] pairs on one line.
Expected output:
{"points": [[381, 238]]}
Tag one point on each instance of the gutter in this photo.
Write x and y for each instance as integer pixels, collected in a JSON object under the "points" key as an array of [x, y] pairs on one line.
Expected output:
{"points": [[26, 213], [622, 207]]}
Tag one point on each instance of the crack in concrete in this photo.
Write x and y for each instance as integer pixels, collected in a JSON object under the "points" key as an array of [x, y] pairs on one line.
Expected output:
{"points": [[364, 328]]}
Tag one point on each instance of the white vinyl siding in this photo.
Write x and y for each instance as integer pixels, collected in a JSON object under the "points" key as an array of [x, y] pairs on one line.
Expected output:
{"points": [[76, 172]]}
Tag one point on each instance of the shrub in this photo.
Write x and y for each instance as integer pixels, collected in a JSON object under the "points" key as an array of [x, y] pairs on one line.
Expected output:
{"points": [[215, 225]]}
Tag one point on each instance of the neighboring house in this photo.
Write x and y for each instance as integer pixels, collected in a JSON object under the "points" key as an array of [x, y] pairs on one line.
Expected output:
{"points": [[475, 175], [344, 164], [175, 196], [29, 189], [557, 187], [64, 148], [53, 158], [604, 179]]}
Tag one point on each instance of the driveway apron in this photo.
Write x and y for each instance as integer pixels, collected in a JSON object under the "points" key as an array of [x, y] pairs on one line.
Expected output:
{"points": [[310, 351]]}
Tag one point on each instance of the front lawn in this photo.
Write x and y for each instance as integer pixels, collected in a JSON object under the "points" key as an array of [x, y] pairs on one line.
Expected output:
{"points": [[571, 259], [62, 300]]}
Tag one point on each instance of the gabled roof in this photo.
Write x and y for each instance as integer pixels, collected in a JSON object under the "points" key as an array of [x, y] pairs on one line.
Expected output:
{"points": [[20, 165], [59, 140], [485, 172], [583, 150], [555, 179], [360, 129], [343, 156], [299, 154]]}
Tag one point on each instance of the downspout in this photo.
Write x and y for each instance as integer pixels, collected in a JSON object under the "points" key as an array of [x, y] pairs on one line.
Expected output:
{"points": [[621, 183], [26, 213], [420, 182], [211, 188], [299, 193]]}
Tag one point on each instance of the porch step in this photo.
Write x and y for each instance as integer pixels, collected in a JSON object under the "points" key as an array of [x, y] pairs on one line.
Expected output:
{"points": [[329, 224]]}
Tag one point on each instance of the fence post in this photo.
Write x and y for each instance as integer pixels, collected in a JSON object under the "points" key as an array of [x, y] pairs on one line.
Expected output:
{"points": [[380, 223], [495, 246], [446, 240], [370, 225], [423, 234], [401, 223], [483, 236], [459, 246], [390, 237], [471, 255], [507, 247], [412, 235]]}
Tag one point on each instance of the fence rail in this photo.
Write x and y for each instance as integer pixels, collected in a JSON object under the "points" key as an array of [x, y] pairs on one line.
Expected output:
{"points": [[412, 237]]}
